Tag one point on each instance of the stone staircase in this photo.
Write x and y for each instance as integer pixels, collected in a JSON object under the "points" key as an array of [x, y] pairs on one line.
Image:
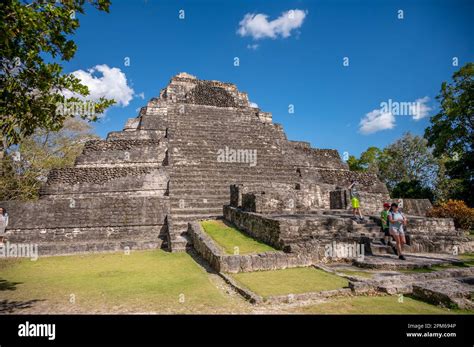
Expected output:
{"points": [[199, 182], [370, 228]]}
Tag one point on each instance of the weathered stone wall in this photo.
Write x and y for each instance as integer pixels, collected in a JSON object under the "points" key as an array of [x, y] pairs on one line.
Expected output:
{"points": [[414, 207], [372, 203], [187, 88], [302, 155], [270, 199], [276, 198], [88, 211], [259, 227], [107, 180]]}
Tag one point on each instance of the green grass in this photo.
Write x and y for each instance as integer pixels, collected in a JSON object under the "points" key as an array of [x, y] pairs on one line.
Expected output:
{"points": [[155, 281], [229, 238], [467, 258], [290, 281], [144, 281], [375, 305]]}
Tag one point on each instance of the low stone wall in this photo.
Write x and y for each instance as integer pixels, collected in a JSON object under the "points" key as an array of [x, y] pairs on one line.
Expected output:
{"points": [[222, 262], [300, 198], [259, 227]]}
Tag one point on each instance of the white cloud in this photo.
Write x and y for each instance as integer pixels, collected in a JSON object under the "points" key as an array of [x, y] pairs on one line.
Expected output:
{"points": [[141, 95], [253, 46], [253, 104], [111, 85], [421, 109], [376, 120], [258, 27]]}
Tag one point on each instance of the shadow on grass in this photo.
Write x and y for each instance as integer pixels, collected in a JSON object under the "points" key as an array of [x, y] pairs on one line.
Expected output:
{"points": [[203, 263], [7, 285], [7, 306]]}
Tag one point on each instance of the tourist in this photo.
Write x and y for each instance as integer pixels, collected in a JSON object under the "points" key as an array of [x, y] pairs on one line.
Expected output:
{"points": [[3, 223], [385, 228], [396, 222], [355, 200]]}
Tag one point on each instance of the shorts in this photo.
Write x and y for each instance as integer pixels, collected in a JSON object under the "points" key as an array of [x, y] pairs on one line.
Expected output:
{"points": [[397, 231], [355, 203], [386, 231]]}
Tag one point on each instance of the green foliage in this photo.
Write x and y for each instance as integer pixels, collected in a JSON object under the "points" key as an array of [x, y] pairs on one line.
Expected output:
{"points": [[462, 215], [35, 37], [451, 132], [406, 166], [408, 159], [27, 165], [368, 160], [412, 190]]}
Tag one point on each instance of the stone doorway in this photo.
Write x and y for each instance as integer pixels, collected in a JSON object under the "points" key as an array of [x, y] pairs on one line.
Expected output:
{"points": [[338, 199]]}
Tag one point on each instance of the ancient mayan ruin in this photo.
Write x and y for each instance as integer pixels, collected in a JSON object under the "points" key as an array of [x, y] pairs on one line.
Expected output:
{"points": [[200, 151]]}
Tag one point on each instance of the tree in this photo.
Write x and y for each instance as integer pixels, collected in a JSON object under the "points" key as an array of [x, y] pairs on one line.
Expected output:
{"points": [[35, 38], [451, 131], [412, 190], [407, 166], [408, 159], [28, 164], [368, 160]]}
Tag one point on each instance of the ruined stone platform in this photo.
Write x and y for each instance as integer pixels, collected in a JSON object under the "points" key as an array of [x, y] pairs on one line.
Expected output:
{"points": [[190, 149], [413, 261]]}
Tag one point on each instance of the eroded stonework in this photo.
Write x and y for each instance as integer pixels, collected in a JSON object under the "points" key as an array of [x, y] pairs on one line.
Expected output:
{"points": [[141, 187]]}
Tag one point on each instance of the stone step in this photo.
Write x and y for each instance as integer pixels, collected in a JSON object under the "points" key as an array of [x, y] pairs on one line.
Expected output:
{"points": [[197, 216], [179, 244], [223, 183], [216, 205], [381, 249], [220, 171], [73, 247], [196, 211]]}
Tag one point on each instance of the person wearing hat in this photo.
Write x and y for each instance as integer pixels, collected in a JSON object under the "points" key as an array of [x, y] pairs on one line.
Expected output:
{"points": [[385, 228]]}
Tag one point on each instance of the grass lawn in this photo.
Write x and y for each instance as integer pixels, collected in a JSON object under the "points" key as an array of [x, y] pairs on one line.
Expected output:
{"points": [[144, 281], [229, 238], [467, 258], [375, 305], [162, 282], [290, 281]]}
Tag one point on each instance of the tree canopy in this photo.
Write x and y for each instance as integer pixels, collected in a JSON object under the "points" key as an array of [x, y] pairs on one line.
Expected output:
{"points": [[35, 37], [28, 164], [451, 131]]}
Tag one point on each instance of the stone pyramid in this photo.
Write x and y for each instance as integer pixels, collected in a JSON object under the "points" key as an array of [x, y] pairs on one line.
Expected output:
{"points": [[173, 164]]}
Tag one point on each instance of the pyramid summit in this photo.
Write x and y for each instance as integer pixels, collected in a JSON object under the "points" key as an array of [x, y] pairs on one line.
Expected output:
{"points": [[200, 150]]}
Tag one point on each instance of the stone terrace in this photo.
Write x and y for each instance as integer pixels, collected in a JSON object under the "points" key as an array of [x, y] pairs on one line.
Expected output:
{"points": [[173, 164]]}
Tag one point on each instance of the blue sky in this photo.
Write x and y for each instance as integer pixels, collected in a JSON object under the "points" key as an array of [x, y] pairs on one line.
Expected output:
{"points": [[389, 58]]}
